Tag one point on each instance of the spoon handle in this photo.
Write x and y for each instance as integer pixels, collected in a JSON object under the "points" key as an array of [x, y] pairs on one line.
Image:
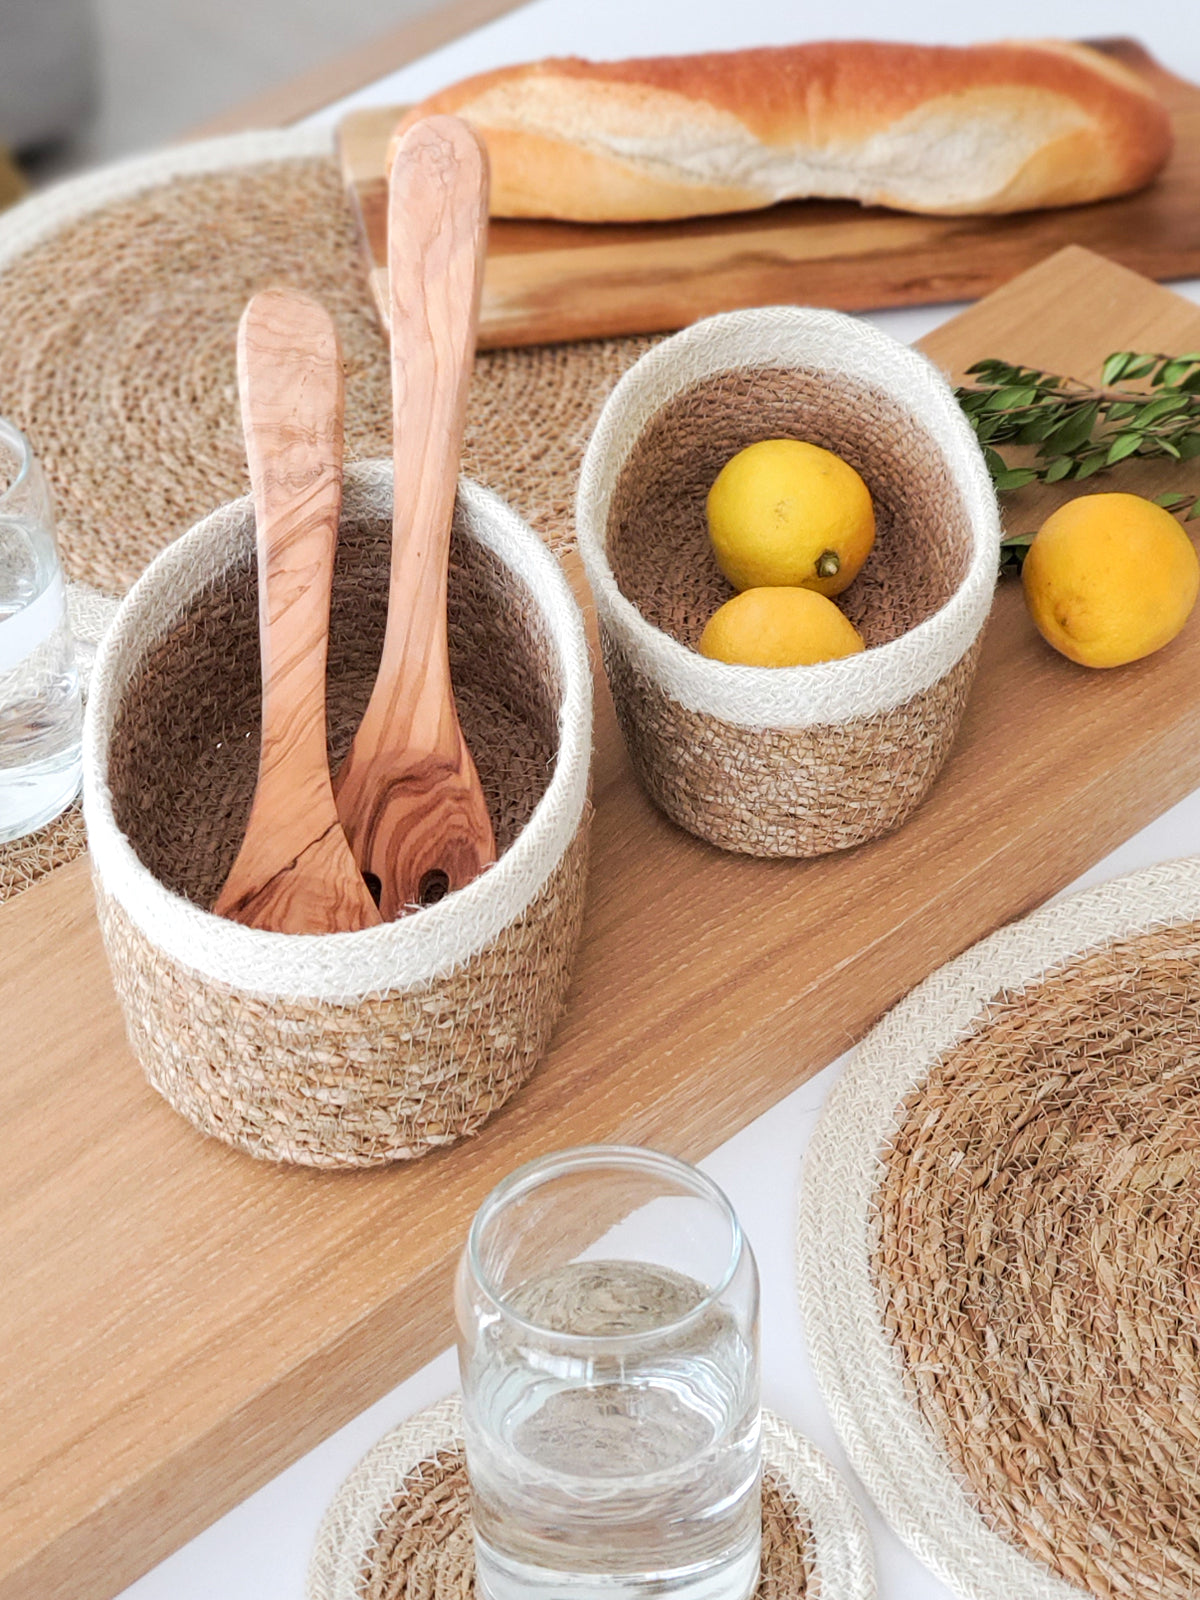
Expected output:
{"points": [[408, 793], [294, 872]]}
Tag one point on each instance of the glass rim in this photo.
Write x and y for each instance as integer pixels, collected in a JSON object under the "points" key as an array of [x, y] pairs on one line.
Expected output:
{"points": [[542, 1168], [12, 436]]}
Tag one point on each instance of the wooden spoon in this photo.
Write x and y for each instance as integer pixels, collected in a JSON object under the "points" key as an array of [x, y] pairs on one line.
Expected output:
{"points": [[294, 872], [408, 793]]}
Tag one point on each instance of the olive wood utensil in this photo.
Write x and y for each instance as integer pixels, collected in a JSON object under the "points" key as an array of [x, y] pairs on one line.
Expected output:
{"points": [[408, 793], [294, 872]]}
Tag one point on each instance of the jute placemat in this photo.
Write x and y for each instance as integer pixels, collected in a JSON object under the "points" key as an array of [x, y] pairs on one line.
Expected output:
{"points": [[120, 294], [1000, 1253], [400, 1526]]}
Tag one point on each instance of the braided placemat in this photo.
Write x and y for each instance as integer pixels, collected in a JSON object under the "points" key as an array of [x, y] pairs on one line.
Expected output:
{"points": [[400, 1525], [120, 294], [1000, 1253]]}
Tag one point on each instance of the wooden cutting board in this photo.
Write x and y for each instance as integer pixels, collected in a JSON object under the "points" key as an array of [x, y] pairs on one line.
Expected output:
{"points": [[548, 281], [178, 1322]]}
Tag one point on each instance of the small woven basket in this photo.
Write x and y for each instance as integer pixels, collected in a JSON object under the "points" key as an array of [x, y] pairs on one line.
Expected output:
{"points": [[344, 1049], [793, 761]]}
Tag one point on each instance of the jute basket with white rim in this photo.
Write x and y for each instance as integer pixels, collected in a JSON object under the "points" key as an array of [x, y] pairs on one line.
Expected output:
{"points": [[401, 1524], [343, 1049], [790, 761]]}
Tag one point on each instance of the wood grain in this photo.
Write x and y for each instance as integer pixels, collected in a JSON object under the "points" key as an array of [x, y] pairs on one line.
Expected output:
{"points": [[179, 1322], [408, 793], [548, 281], [294, 872]]}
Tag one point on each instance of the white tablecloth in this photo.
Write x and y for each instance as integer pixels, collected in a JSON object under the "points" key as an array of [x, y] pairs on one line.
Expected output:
{"points": [[260, 1550]]}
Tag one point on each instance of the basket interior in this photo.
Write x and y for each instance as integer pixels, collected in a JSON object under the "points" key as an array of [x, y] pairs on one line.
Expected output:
{"points": [[657, 536], [184, 750]]}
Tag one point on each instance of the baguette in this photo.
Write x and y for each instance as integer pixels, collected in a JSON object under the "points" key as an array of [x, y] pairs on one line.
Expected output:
{"points": [[930, 128]]}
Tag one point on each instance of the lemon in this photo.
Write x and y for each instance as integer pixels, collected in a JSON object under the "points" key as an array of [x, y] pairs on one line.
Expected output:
{"points": [[1110, 578], [783, 512], [779, 628]]}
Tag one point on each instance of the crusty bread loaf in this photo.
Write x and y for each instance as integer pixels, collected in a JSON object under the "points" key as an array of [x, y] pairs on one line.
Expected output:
{"points": [[985, 128]]}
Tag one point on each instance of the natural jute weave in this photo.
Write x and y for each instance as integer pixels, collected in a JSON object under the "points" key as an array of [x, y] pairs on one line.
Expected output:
{"points": [[999, 1247], [120, 294], [400, 1526], [801, 760], [340, 1049]]}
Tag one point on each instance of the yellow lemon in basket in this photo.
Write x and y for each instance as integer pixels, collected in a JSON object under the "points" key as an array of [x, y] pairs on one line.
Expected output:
{"points": [[783, 512], [1110, 578], [779, 628]]}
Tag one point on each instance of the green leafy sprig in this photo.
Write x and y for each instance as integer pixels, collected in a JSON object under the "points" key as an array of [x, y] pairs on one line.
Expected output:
{"points": [[1077, 430]]}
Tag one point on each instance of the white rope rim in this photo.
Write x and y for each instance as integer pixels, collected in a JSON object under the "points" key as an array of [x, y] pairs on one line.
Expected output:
{"points": [[397, 955], [842, 1563], [833, 691], [859, 1371]]}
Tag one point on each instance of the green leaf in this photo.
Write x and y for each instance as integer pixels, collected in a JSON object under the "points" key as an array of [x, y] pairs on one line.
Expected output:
{"points": [[1076, 430], [1171, 449], [1194, 512], [1123, 445], [1122, 409], [1115, 366], [1189, 446], [995, 461], [1014, 478], [1170, 502], [1140, 366], [1162, 408], [1034, 431], [1010, 399], [1086, 466], [1058, 468], [1175, 371]]}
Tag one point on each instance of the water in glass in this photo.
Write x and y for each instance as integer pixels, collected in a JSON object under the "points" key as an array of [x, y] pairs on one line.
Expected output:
{"points": [[40, 712], [612, 1432]]}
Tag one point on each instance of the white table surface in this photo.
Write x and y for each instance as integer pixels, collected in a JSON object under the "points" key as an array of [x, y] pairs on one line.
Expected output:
{"points": [[260, 1550]]}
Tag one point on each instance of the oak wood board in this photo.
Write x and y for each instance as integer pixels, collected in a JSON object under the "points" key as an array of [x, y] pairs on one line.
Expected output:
{"points": [[178, 1322], [550, 281]]}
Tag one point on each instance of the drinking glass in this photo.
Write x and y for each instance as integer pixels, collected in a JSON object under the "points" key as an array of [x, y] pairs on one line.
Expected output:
{"points": [[40, 710], [608, 1345]]}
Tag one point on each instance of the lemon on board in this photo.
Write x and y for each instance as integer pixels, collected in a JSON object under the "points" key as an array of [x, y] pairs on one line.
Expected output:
{"points": [[778, 627], [783, 512], [1110, 578]]}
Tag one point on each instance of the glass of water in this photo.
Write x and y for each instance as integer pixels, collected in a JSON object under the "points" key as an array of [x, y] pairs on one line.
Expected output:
{"points": [[40, 712], [608, 1344]]}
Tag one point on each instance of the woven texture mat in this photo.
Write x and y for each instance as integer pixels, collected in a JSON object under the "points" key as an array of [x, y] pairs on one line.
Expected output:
{"points": [[400, 1526], [1039, 1265], [118, 361], [1004, 1198]]}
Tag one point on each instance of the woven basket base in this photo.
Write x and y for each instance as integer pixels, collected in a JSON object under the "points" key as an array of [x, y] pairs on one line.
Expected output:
{"points": [[400, 1526], [794, 792]]}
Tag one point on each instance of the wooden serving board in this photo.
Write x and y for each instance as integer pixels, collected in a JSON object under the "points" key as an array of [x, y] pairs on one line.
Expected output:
{"points": [[178, 1322], [548, 281]]}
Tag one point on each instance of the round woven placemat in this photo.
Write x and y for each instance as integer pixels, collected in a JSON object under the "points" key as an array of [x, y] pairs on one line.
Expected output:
{"points": [[119, 298], [400, 1526], [1000, 1253]]}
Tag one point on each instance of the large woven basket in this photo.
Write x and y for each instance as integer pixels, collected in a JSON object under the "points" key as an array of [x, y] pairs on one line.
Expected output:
{"points": [[342, 1049], [790, 761]]}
